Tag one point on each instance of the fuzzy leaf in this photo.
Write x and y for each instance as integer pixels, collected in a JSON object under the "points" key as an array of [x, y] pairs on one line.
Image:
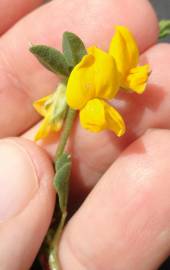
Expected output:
{"points": [[51, 58], [61, 179], [164, 26], [73, 48]]}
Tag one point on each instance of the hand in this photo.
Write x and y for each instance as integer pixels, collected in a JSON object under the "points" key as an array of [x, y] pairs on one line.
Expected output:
{"points": [[124, 222]]}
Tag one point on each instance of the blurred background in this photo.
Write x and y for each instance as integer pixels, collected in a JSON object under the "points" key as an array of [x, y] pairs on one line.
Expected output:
{"points": [[162, 8]]}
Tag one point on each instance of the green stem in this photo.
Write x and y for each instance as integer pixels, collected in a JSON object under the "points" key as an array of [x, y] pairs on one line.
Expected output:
{"points": [[54, 262], [66, 132]]}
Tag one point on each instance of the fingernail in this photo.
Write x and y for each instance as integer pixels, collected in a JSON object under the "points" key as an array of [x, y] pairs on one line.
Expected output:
{"points": [[18, 179]]}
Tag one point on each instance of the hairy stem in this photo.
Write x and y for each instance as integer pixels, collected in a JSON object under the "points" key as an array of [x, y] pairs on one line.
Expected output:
{"points": [[66, 132], [54, 263]]}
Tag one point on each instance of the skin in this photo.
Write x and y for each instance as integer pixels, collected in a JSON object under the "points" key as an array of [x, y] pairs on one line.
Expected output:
{"points": [[124, 223]]}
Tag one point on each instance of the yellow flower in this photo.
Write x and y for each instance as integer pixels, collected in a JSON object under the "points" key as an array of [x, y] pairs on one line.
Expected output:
{"points": [[52, 108], [124, 50], [98, 77], [95, 76], [94, 80]]}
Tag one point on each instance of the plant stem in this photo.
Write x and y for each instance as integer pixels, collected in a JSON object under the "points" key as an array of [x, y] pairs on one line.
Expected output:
{"points": [[66, 132], [54, 263]]}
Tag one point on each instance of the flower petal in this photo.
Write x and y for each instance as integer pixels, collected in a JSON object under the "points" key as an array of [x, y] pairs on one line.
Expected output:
{"points": [[124, 50], [39, 105], [106, 75], [97, 115], [95, 76], [53, 108], [47, 126], [137, 79], [43, 130]]}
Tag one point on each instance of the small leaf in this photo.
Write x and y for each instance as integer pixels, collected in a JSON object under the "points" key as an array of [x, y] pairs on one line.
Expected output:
{"points": [[164, 26], [51, 58], [73, 48], [61, 179]]}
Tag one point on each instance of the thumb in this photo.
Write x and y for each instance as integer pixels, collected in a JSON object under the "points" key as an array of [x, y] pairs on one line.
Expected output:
{"points": [[26, 202]]}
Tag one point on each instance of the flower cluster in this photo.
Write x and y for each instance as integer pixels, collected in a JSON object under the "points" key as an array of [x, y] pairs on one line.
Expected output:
{"points": [[96, 80]]}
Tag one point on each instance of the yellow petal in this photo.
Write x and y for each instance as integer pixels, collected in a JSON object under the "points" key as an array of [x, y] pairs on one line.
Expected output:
{"points": [[97, 115], [95, 76], [124, 50], [137, 79], [43, 130], [47, 126], [39, 105], [53, 108], [106, 75]]}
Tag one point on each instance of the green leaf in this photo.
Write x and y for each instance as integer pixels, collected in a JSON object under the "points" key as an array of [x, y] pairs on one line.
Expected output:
{"points": [[61, 179], [164, 26], [51, 58], [73, 48]]}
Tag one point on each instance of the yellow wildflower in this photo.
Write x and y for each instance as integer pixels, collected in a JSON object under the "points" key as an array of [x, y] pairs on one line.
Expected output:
{"points": [[95, 76], [98, 77], [94, 80], [125, 52], [52, 108]]}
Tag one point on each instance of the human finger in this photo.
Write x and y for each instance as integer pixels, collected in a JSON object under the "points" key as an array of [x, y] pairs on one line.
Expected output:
{"points": [[124, 222], [26, 202], [10, 14]]}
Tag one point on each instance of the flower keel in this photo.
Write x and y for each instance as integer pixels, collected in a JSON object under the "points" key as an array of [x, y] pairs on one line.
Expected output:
{"points": [[97, 116]]}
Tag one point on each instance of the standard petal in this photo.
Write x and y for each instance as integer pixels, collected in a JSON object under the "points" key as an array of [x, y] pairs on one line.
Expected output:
{"points": [[106, 75], [124, 50], [137, 79], [95, 76], [131, 44], [97, 115], [80, 83]]}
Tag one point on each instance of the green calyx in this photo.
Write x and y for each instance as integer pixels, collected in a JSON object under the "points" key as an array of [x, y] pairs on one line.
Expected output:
{"points": [[58, 99]]}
